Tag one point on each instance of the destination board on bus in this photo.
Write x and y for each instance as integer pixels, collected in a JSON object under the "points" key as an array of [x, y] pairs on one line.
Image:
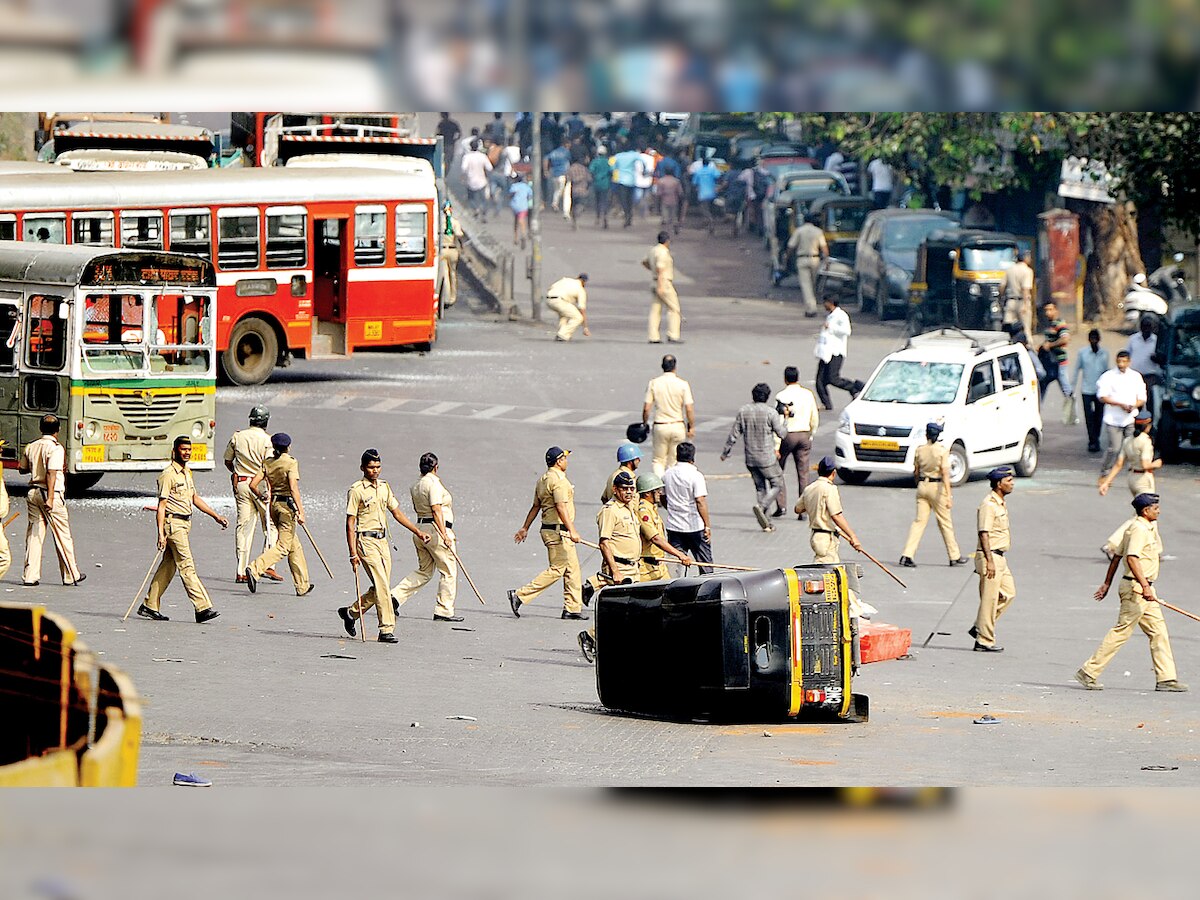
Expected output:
{"points": [[134, 268]]}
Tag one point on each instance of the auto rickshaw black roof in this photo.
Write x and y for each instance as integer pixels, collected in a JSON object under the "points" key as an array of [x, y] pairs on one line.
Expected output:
{"points": [[968, 237], [818, 204]]}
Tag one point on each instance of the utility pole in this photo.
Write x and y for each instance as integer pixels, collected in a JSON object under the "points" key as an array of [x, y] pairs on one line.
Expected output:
{"points": [[535, 227]]}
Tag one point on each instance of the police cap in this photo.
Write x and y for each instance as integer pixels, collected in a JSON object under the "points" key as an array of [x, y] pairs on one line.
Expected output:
{"points": [[933, 430], [999, 473], [827, 465], [1141, 501], [554, 454], [370, 456], [624, 480], [281, 439]]}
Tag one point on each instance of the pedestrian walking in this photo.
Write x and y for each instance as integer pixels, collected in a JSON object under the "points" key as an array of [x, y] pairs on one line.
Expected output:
{"points": [[555, 167], [1144, 359], [1122, 392], [807, 246], [45, 461], [281, 472], [798, 406], [655, 546], [758, 425], [475, 168], [1090, 364], [688, 525], [368, 502], [1018, 292], [830, 351], [662, 266], [705, 177], [245, 454], [176, 498], [449, 131], [579, 184], [625, 171], [520, 199], [554, 501], [670, 198], [1141, 549], [568, 298], [436, 547], [602, 182], [670, 398], [453, 239], [629, 457], [997, 589], [931, 471], [1053, 353], [882, 182]]}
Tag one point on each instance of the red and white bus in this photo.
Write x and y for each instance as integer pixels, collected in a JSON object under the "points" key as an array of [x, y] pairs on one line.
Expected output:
{"points": [[310, 262], [280, 139]]}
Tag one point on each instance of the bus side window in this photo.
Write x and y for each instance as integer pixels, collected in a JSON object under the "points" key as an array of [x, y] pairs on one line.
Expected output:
{"points": [[411, 226], [287, 237], [237, 239], [8, 227], [370, 233], [95, 229], [46, 229], [191, 232], [46, 334], [142, 230]]}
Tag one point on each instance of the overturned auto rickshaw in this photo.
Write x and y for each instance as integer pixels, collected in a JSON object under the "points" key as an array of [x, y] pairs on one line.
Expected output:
{"points": [[756, 646], [959, 279]]}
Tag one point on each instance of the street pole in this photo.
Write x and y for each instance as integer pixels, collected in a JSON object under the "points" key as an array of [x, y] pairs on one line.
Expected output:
{"points": [[535, 227]]}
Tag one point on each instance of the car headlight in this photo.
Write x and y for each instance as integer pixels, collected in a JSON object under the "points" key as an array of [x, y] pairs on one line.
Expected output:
{"points": [[844, 423], [974, 290], [898, 279], [1196, 393]]}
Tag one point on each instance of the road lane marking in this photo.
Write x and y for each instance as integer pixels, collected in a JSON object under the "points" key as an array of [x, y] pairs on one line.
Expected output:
{"points": [[492, 412], [600, 419], [546, 416], [438, 408], [386, 405]]}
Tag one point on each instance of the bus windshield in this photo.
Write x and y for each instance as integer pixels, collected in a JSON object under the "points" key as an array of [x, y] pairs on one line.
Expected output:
{"points": [[134, 332], [184, 340]]}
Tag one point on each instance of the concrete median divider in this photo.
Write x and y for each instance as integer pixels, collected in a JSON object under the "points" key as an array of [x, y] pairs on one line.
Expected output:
{"points": [[485, 261]]}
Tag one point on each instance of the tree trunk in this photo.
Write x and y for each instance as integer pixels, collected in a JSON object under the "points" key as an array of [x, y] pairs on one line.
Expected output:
{"points": [[1114, 257]]}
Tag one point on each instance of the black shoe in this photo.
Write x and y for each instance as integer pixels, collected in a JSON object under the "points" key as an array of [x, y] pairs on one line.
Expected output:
{"points": [[1093, 448], [386, 637], [811, 315], [437, 618], [347, 622], [308, 590], [675, 340], [515, 603], [907, 562], [587, 646], [778, 513], [206, 615], [961, 561], [251, 581], [578, 617], [654, 342], [82, 578], [395, 607], [984, 648], [147, 613], [589, 591], [30, 583], [973, 632]]}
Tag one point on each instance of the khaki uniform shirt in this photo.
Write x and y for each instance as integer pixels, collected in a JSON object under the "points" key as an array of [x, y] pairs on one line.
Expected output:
{"points": [[822, 502], [1138, 451], [552, 488], [669, 394], [993, 518], [176, 487], [808, 243], [43, 456], [277, 469], [1018, 280], [650, 526], [370, 503], [3, 502], [569, 289], [660, 262], [427, 492], [248, 449], [618, 524], [929, 460], [1143, 541]]}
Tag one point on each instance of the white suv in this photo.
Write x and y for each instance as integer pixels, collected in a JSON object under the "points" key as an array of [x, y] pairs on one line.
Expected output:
{"points": [[981, 388]]}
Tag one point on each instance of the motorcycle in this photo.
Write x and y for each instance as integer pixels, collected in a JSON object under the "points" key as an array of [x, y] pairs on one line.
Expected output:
{"points": [[1140, 300]]}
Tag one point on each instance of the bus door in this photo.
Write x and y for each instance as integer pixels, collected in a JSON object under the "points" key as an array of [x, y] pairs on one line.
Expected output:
{"points": [[44, 384], [331, 267], [10, 345]]}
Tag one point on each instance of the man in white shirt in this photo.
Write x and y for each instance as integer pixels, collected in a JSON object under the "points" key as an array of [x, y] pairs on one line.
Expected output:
{"points": [[688, 528], [833, 162], [831, 353], [1123, 392], [881, 182], [798, 407], [1143, 347], [475, 169]]}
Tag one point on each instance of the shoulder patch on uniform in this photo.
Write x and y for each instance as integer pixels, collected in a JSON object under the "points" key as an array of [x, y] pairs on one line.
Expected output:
{"points": [[645, 518]]}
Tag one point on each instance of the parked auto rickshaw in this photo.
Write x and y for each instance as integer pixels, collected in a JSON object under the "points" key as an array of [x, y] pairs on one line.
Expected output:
{"points": [[784, 212], [841, 218], [763, 645], [959, 279]]}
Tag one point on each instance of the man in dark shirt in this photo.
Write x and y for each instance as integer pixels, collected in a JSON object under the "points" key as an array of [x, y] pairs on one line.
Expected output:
{"points": [[759, 425]]}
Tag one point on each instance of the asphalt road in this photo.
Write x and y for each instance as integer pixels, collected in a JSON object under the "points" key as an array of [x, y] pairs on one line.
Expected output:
{"points": [[272, 692]]}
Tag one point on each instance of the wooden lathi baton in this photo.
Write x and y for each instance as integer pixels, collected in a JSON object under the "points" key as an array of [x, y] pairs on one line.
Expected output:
{"points": [[450, 546], [890, 574], [1182, 612], [697, 562]]}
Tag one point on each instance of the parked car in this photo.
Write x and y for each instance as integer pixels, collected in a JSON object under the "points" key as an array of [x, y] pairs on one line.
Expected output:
{"points": [[959, 279], [982, 389], [887, 256], [1178, 414]]}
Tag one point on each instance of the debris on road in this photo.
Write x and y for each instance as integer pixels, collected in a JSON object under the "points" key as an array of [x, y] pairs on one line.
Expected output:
{"points": [[987, 720], [192, 780], [337, 656], [463, 718]]}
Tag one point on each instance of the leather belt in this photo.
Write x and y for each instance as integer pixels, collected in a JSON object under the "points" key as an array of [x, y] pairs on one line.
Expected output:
{"points": [[546, 527], [680, 422], [625, 562], [999, 552], [172, 515], [923, 478], [650, 560], [428, 520], [1131, 578], [379, 535], [824, 531], [1140, 471]]}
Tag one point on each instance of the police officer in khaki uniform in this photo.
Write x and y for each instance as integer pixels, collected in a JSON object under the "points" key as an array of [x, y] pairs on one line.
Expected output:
{"points": [[996, 586], [245, 454], [568, 298], [368, 502], [629, 457], [653, 534], [1140, 548], [620, 548], [45, 461], [822, 502], [435, 515], [452, 241], [176, 498], [660, 263], [282, 474], [931, 469], [5, 550], [554, 499], [1137, 452], [674, 413]]}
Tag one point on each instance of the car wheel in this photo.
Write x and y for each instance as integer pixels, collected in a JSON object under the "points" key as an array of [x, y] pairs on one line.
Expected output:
{"points": [[863, 305], [881, 302], [1167, 437], [959, 472], [1028, 462], [852, 476]]}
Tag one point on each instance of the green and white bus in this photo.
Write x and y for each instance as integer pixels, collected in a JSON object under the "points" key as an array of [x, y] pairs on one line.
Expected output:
{"points": [[118, 344]]}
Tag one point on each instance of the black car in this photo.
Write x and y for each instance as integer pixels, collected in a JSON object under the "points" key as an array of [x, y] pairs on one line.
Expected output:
{"points": [[1178, 414], [887, 256]]}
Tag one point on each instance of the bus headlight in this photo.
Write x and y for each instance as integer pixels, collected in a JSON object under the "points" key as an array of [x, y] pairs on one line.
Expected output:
{"points": [[197, 429], [91, 429]]}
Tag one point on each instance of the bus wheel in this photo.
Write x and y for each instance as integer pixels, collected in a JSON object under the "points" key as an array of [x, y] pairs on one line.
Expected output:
{"points": [[426, 346], [79, 483], [252, 352]]}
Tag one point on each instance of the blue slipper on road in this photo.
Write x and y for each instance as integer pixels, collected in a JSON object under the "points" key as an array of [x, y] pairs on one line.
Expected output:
{"points": [[183, 780]]}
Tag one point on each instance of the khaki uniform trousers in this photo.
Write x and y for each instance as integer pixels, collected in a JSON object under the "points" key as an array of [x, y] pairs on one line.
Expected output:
{"points": [[287, 545], [35, 537], [1147, 615], [929, 496], [995, 594], [826, 550], [669, 299], [435, 556], [374, 556], [569, 316], [653, 572], [450, 275], [5, 554], [665, 439], [250, 512], [806, 275], [177, 557], [564, 564]]}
